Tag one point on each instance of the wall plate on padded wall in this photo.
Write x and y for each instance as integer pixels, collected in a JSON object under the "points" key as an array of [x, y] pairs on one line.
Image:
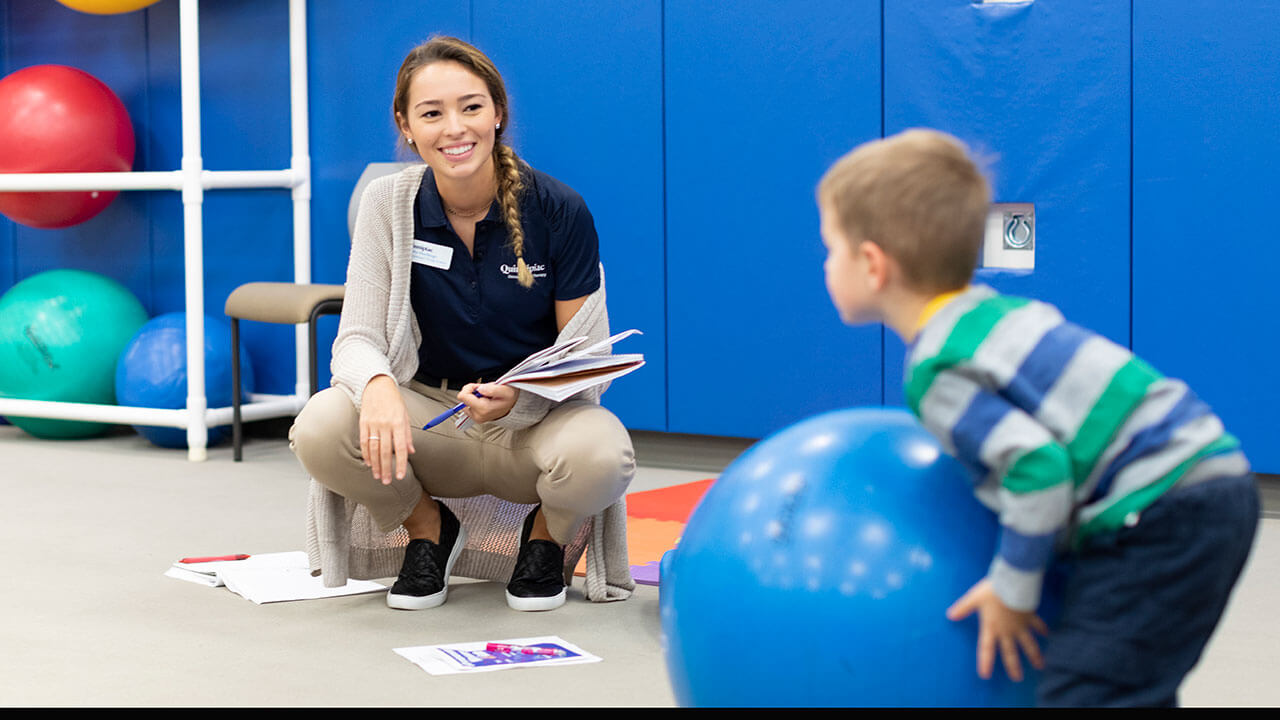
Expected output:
{"points": [[1010, 240]]}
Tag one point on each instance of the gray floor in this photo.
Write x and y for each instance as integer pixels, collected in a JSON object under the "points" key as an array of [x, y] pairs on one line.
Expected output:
{"points": [[87, 617]]}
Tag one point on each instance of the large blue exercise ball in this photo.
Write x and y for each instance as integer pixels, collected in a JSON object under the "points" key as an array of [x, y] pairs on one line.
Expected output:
{"points": [[60, 334], [817, 571], [152, 372]]}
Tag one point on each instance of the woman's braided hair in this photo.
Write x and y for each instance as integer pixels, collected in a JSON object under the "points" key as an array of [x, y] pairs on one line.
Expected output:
{"points": [[507, 165]]}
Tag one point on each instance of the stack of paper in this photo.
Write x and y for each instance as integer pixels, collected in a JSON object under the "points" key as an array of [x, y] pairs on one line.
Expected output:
{"points": [[562, 371], [270, 577]]}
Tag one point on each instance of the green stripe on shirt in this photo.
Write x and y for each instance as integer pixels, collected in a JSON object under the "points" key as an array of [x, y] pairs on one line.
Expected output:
{"points": [[1041, 468], [969, 331], [1126, 391], [1138, 500]]}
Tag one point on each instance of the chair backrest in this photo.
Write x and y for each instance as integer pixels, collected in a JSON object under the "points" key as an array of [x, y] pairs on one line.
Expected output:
{"points": [[371, 172]]}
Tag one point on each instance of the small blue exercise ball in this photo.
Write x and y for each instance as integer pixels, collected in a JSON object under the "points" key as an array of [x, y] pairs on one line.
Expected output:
{"points": [[818, 568], [152, 372]]}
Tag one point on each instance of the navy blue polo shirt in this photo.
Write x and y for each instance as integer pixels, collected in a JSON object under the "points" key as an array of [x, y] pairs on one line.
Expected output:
{"points": [[476, 319]]}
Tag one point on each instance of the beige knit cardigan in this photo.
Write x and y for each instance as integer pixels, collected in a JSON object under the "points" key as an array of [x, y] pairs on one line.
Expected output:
{"points": [[378, 334]]}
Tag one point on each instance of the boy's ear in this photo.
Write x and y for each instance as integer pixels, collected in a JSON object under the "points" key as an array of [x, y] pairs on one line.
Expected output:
{"points": [[878, 263]]}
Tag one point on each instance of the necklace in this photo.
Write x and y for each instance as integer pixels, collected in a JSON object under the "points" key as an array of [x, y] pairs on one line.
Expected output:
{"points": [[468, 213]]}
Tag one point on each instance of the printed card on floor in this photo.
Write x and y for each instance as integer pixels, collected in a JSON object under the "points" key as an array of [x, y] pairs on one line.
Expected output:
{"points": [[486, 656]]}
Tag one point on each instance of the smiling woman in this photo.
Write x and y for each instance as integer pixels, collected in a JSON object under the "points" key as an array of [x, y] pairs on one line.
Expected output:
{"points": [[450, 103], [460, 268]]}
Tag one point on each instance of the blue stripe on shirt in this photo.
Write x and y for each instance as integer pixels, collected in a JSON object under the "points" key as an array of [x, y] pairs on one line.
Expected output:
{"points": [[1043, 366], [1026, 552], [977, 471], [976, 423], [1151, 438]]}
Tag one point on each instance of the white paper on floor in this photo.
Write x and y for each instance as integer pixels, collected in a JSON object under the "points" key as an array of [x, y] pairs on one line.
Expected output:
{"points": [[469, 657], [268, 577]]}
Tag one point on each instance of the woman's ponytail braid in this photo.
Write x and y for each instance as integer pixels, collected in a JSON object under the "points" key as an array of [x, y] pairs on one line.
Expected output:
{"points": [[510, 186], [505, 162]]}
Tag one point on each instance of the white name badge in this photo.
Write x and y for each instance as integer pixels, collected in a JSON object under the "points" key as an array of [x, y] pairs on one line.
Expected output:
{"points": [[432, 255]]}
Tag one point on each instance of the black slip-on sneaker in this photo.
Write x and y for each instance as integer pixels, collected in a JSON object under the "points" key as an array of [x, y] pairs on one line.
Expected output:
{"points": [[424, 576], [537, 583]]}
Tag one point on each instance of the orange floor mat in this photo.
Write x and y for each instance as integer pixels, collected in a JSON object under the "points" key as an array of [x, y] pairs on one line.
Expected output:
{"points": [[655, 521]]}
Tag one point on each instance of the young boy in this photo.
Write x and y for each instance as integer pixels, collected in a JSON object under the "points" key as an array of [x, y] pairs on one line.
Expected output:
{"points": [[1074, 442]]}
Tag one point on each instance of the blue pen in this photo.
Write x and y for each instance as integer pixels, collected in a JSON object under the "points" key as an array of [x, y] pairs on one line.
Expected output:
{"points": [[448, 413]]}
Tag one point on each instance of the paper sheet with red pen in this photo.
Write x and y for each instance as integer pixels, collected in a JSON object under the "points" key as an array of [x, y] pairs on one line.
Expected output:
{"points": [[214, 558], [263, 577], [205, 569]]}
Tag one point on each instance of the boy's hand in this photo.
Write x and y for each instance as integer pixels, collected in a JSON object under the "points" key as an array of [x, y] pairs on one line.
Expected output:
{"points": [[1000, 627]]}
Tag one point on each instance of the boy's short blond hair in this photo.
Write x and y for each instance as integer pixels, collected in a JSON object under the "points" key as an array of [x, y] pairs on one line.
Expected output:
{"points": [[920, 198]]}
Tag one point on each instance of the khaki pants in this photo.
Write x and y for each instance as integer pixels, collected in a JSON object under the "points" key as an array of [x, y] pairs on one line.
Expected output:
{"points": [[577, 461]]}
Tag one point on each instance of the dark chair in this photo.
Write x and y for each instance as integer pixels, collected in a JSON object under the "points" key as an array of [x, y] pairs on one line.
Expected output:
{"points": [[291, 303], [283, 303]]}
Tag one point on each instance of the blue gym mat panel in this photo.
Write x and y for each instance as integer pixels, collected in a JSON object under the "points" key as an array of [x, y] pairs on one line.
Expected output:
{"points": [[1205, 252], [760, 99], [1040, 92]]}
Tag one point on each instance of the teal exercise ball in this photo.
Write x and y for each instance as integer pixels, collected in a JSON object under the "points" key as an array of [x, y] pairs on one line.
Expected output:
{"points": [[60, 334], [816, 571], [152, 372]]}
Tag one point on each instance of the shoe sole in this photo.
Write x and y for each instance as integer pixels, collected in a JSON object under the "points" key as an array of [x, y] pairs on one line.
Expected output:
{"points": [[535, 604], [426, 602]]}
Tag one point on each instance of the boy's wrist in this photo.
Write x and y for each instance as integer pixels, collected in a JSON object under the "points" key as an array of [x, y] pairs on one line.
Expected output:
{"points": [[1017, 589]]}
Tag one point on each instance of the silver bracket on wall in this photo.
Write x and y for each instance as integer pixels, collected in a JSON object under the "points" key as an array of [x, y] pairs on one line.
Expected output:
{"points": [[1010, 240]]}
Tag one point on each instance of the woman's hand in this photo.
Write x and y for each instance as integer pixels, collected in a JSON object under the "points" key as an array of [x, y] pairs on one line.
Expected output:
{"points": [[487, 401], [1000, 628], [385, 438]]}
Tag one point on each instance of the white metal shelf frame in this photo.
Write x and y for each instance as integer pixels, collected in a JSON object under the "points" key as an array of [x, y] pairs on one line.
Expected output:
{"points": [[192, 180]]}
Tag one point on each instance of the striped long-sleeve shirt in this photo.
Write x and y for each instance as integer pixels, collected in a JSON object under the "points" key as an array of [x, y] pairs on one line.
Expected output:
{"points": [[1067, 433]]}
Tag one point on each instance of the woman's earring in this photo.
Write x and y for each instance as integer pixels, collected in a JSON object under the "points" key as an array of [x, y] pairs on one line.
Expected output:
{"points": [[409, 140], [498, 126]]}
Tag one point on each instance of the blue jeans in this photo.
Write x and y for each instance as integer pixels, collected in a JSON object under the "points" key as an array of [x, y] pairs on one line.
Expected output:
{"points": [[1141, 602]]}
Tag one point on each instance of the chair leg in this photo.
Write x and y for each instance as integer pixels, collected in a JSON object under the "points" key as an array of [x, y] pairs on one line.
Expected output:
{"points": [[311, 349], [235, 387], [327, 307]]}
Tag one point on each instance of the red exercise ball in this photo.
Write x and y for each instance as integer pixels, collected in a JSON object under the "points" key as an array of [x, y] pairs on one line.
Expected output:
{"points": [[55, 118]]}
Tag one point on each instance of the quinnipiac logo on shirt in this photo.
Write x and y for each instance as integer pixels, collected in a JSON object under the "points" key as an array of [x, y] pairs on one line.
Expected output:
{"points": [[513, 272]]}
